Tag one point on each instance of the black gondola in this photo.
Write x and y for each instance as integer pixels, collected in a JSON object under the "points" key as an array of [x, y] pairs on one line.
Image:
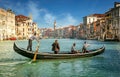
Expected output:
{"points": [[45, 55]]}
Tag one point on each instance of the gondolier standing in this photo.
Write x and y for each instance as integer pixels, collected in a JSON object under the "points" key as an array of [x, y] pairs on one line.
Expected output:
{"points": [[85, 45], [33, 37]]}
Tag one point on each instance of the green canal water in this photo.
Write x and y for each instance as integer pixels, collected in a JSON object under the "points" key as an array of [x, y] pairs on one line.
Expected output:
{"points": [[106, 64]]}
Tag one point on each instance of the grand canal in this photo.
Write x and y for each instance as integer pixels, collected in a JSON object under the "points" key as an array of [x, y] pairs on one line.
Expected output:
{"points": [[103, 65]]}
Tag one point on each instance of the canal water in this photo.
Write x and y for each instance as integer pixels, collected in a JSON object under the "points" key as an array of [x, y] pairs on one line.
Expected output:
{"points": [[106, 64]]}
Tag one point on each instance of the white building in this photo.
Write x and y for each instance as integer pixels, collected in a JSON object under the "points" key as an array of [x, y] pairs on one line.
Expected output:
{"points": [[25, 26], [88, 20], [7, 24]]}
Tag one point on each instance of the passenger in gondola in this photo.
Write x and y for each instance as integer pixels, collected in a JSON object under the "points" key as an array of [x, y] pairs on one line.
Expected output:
{"points": [[85, 45], [33, 37], [55, 47], [73, 49]]}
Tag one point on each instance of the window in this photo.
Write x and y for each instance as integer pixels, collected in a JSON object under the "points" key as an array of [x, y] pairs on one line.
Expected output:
{"points": [[89, 20], [119, 11], [17, 19], [3, 23], [11, 21], [93, 19], [23, 29]]}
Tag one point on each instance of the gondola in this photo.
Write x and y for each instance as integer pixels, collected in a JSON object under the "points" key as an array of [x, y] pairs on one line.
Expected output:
{"points": [[48, 55]]}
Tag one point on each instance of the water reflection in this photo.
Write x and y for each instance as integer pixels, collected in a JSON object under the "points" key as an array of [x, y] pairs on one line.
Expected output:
{"points": [[55, 68]]}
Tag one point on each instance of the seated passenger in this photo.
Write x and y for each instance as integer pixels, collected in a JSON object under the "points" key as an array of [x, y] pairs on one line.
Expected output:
{"points": [[73, 50], [55, 47]]}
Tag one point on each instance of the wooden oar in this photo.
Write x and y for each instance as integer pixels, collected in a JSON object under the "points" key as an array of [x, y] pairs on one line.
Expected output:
{"points": [[35, 55]]}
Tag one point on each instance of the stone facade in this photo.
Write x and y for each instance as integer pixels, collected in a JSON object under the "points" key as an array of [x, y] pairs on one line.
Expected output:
{"points": [[89, 23], [25, 26], [7, 24], [113, 22]]}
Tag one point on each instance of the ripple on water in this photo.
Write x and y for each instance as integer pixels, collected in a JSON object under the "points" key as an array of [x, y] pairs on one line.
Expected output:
{"points": [[103, 65]]}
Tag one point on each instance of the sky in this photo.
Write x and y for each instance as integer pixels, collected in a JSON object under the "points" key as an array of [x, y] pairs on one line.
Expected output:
{"points": [[65, 12]]}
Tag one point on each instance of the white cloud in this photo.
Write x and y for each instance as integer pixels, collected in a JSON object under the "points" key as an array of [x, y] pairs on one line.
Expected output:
{"points": [[67, 19], [42, 16], [46, 19], [34, 10], [62, 20], [49, 18]]}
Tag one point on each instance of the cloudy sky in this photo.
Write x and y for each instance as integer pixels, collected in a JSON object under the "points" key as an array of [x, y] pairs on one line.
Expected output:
{"points": [[65, 12]]}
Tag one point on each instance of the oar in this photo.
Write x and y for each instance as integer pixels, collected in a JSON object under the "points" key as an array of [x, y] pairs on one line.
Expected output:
{"points": [[35, 55]]}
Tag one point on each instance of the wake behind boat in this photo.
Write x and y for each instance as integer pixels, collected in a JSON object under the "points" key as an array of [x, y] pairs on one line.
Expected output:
{"points": [[65, 55]]}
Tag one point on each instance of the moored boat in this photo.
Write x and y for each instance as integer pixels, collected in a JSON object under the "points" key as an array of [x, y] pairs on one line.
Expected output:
{"points": [[65, 55]]}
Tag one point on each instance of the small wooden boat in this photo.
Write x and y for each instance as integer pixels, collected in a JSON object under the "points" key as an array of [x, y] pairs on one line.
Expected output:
{"points": [[45, 55]]}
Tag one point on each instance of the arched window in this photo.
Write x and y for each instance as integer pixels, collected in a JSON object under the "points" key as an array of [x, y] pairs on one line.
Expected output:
{"points": [[3, 23]]}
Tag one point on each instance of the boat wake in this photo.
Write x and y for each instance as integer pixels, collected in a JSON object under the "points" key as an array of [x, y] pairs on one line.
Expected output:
{"points": [[11, 63]]}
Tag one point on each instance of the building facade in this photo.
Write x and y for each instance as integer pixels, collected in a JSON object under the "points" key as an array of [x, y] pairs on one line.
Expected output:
{"points": [[113, 22], [89, 23], [7, 24], [25, 27]]}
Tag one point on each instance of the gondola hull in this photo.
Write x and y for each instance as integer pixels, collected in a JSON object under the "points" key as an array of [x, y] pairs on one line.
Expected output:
{"points": [[42, 55]]}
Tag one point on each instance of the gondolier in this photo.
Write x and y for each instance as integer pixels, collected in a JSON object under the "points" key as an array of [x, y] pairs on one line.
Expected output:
{"points": [[85, 45], [33, 37]]}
